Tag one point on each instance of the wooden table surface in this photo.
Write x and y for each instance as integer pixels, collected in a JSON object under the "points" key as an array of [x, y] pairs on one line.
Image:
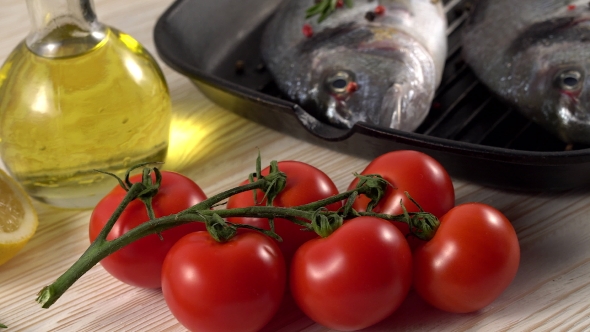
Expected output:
{"points": [[217, 149]]}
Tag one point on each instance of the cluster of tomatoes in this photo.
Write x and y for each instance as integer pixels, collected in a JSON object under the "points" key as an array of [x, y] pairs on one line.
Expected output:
{"points": [[351, 279]]}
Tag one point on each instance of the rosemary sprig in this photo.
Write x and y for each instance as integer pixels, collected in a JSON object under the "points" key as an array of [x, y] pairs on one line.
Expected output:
{"points": [[324, 8]]}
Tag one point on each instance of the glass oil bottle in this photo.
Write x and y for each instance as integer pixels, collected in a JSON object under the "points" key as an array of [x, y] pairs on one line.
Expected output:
{"points": [[78, 96]]}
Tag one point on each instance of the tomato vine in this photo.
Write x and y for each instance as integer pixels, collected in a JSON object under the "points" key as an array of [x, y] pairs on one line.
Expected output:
{"points": [[423, 224]]}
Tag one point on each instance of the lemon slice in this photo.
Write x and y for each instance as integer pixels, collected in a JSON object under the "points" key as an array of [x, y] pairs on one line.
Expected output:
{"points": [[18, 218]]}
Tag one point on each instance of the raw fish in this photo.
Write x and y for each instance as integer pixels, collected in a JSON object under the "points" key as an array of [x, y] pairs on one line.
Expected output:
{"points": [[535, 54], [378, 61]]}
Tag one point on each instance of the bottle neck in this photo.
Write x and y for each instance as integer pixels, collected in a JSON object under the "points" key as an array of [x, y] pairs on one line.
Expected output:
{"points": [[63, 28]]}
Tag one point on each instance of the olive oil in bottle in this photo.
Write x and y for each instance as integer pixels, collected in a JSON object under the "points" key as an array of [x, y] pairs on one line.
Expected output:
{"points": [[77, 96]]}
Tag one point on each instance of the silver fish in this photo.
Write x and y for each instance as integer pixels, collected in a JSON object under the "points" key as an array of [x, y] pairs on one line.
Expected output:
{"points": [[535, 54], [395, 60]]}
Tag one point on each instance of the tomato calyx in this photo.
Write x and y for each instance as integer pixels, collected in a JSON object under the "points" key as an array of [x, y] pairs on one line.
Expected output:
{"points": [[222, 230], [325, 224], [375, 188], [219, 229], [274, 183], [150, 188], [423, 225]]}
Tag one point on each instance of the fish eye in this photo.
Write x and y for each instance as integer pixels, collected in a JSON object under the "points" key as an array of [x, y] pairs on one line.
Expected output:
{"points": [[569, 80], [338, 82]]}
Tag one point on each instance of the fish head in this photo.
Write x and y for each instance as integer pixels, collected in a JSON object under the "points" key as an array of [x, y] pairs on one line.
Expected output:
{"points": [[377, 75], [551, 62]]}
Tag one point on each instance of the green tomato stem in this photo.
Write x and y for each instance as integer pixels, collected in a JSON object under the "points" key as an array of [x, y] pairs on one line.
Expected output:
{"points": [[97, 250], [321, 220], [101, 247]]}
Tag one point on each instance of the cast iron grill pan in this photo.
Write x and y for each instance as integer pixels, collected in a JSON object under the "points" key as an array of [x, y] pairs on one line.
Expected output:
{"points": [[472, 133]]}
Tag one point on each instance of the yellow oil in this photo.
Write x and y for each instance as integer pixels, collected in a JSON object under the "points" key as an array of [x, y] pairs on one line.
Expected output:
{"points": [[63, 118]]}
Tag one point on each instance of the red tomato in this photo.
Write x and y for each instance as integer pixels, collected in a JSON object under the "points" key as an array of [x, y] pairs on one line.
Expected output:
{"points": [[305, 184], [415, 172], [469, 262], [233, 286], [355, 277], [140, 263]]}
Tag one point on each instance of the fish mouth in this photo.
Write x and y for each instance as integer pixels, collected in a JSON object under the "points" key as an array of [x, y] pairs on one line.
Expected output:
{"points": [[570, 109], [571, 121], [566, 115]]}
